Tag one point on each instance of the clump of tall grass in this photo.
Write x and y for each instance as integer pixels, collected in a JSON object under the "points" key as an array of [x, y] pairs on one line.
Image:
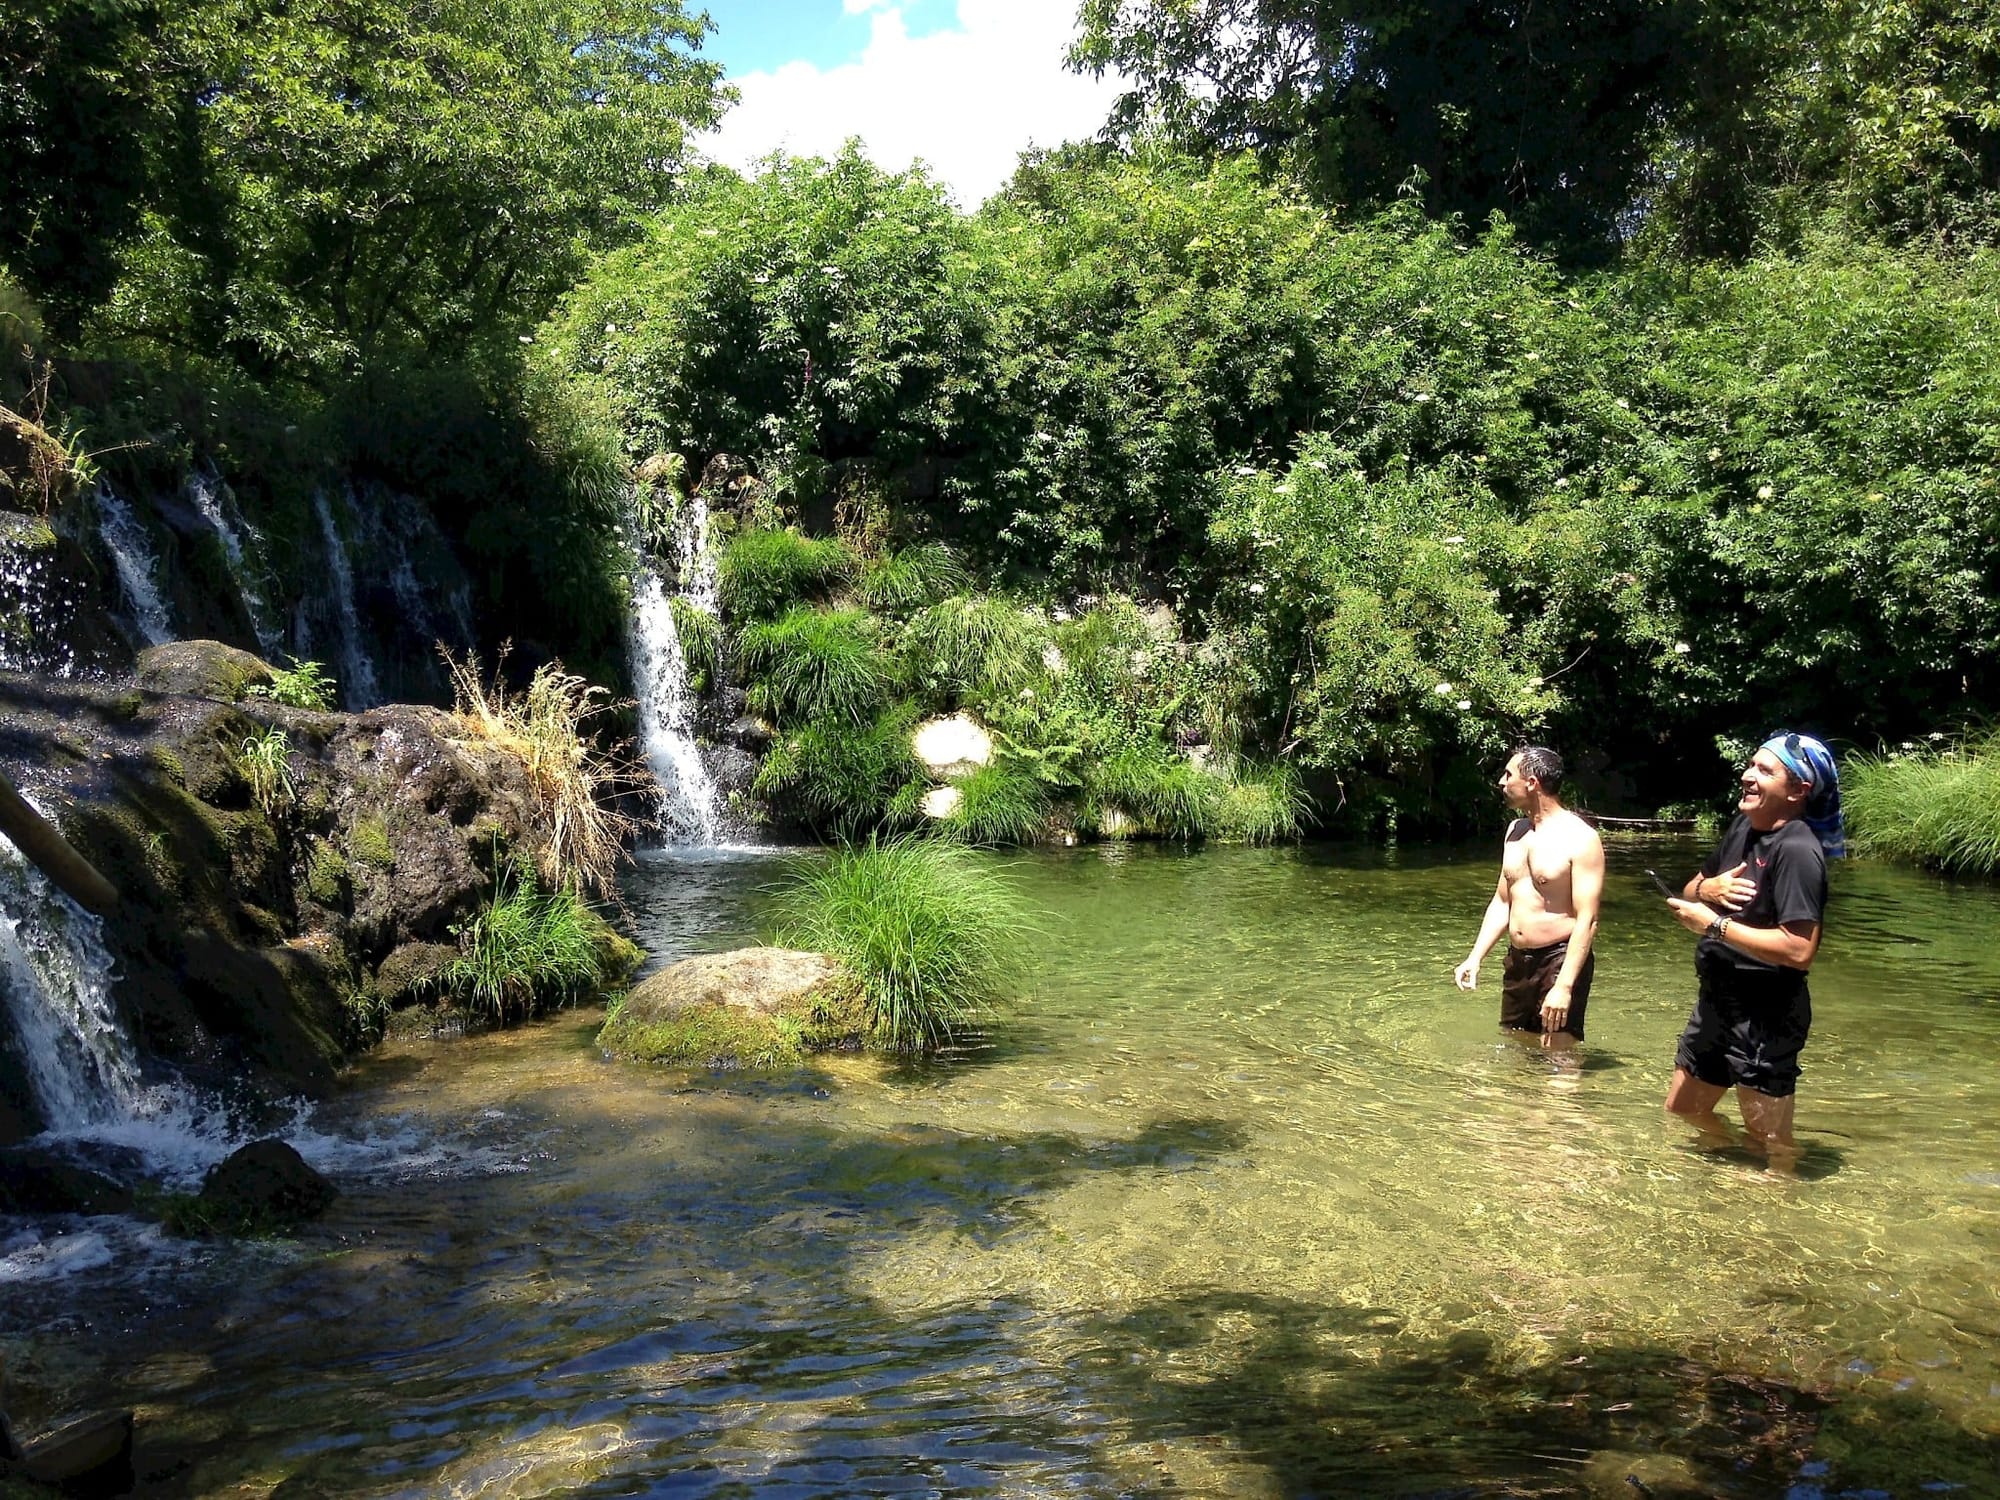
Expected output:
{"points": [[1000, 803], [832, 775], [816, 664], [530, 950], [762, 573], [266, 762], [583, 835], [1939, 808], [1260, 807], [1162, 791], [700, 637], [975, 646], [932, 934], [911, 577]]}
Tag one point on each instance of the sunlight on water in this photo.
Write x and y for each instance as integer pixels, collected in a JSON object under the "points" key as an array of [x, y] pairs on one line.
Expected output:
{"points": [[1249, 1201]]}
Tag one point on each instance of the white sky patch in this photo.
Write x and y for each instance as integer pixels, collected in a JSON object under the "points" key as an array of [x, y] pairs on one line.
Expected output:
{"points": [[965, 100]]}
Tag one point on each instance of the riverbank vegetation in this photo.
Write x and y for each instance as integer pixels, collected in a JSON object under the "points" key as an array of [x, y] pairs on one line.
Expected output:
{"points": [[1931, 804]]}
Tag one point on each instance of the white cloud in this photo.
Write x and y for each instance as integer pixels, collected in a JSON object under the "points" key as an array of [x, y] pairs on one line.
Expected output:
{"points": [[966, 101]]}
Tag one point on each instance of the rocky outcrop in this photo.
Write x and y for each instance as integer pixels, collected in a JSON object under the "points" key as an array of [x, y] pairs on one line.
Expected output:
{"points": [[257, 917], [753, 1007], [262, 1187]]}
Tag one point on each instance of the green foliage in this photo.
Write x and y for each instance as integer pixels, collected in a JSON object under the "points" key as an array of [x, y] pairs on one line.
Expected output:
{"points": [[1939, 805], [834, 776], [303, 685], [975, 647], [818, 665], [1261, 807], [266, 762], [1163, 793], [1002, 802], [762, 573], [933, 934], [908, 578], [529, 951], [700, 637]]}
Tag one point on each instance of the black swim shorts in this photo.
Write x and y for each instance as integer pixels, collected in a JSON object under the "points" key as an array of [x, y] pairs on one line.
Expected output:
{"points": [[1525, 982], [1748, 1029]]}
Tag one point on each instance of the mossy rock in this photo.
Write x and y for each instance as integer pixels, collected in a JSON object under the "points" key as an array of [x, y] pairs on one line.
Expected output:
{"points": [[326, 875], [761, 1008], [412, 969], [369, 842], [202, 669]]}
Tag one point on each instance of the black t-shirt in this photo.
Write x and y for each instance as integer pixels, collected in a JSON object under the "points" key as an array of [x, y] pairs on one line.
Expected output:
{"points": [[1789, 867]]}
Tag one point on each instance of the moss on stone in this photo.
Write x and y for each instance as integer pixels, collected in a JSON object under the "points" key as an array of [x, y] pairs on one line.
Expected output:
{"points": [[168, 764], [368, 841], [709, 1036], [326, 876]]}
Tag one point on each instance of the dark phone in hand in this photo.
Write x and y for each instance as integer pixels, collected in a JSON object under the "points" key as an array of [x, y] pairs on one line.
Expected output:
{"points": [[1665, 890]]}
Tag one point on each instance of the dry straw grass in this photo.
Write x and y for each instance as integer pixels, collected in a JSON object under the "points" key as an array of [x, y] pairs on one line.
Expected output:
{"points": [[577, 782]]}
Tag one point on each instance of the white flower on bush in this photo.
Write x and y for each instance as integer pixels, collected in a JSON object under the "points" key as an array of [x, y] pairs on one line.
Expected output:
{"points": [[1764, 492], [1562, 484], [1244, 471], [1681, 648], [1465, 703], [1443, 690], [1256, 588]]}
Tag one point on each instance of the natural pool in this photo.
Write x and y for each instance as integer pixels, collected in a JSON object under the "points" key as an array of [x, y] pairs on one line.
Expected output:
{"points": [[1248, 1201]]}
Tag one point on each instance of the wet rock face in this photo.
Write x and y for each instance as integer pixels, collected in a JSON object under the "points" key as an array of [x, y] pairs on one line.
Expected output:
{"points": [[262, 1186], [40, 1182], [202, 669], [55, 611]]}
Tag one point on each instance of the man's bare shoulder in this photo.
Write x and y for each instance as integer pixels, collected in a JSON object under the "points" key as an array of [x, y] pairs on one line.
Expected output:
{"points": [[1580, 835]]}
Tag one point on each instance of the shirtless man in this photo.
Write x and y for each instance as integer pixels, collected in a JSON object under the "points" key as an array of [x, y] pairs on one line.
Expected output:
{"points": [[1551, 881]]}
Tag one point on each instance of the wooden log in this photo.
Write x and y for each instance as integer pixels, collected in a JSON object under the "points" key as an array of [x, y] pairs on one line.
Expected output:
{"points": [[48, 851]]}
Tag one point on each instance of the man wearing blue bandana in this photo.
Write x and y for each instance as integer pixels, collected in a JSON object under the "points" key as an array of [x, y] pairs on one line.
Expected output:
{"points": [[1757, 905]]}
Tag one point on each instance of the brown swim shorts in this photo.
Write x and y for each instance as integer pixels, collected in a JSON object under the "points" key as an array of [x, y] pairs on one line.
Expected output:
{"points": [[1527, 979]]}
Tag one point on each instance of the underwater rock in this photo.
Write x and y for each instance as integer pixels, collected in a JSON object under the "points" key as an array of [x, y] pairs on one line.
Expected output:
{"points": [[263, 1185], [88, 1457], [752, 1007], [41, 1182]]}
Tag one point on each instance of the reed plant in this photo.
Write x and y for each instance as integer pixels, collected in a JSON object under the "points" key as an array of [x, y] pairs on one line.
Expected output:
{"points": [[1261, 806], [1931, 807], [583, 834], [763, 573], [815, 664], [530, 950], [834, 776], [974, 647], [909, 578], [931, 932], [1000, 803], [266, 763]]}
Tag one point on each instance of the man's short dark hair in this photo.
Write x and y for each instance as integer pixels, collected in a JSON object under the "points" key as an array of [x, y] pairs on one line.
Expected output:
{"points": [[1542, 763]]}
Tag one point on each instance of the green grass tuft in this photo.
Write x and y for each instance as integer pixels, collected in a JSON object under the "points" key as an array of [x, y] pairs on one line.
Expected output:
{"points": [[1261, 807], [975, 647], [529, 951], [1000, 803], [700, 635], [831, 775], [932, 933], [1938, 808], [764, 573], [908, 579], [1159, 789], [816, 664]]}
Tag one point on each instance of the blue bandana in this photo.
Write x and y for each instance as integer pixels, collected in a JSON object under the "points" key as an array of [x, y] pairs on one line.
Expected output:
{"points": [[1810, 761]]}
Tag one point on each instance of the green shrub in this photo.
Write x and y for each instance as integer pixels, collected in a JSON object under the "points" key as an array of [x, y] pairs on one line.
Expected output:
{"points": [[832, 775], [1161, 791], [816, 664], [266, 763], [932, 933], [762, 573], [304, 685], [1938, 808], [700, 635], [1261, 807], [975, 647], [1000, 803], [529, 951], [911, 577]]}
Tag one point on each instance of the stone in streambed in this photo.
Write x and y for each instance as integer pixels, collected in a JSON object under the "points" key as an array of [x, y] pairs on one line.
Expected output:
{"points": [[40, 1182], [263, 1186], [753, 1007]]}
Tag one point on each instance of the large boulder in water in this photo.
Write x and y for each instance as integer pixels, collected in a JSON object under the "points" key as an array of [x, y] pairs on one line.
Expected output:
{"points": [[752, 1007], [263, 1186]]}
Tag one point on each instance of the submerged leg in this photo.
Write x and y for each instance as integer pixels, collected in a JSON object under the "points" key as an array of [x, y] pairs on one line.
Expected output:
{"points": [[1768, 1120], [1695, 1101]]}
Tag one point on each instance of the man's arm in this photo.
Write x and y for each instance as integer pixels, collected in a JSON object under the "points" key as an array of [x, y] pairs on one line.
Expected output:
{"points": [[1791, 946], [1490, 927], [1586, 890]]}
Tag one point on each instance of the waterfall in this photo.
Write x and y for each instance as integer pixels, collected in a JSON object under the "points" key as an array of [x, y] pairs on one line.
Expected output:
{"points": [[56, 974], [358, 687], [138, 567], [689, 806], [40, 604], [244, 548]]}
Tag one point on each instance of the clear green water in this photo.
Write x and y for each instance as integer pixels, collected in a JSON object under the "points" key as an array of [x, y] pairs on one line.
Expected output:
{"points": [[1249, 1201]]}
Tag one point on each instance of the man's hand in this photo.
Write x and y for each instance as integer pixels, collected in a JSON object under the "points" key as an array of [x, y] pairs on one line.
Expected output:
{"points": [[1695, 916], [1466, 975], [1730, 889], [1555, 1008]]}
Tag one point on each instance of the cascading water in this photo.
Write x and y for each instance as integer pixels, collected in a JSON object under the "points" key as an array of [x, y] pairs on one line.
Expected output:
{"points": [[690, 809], [244, 548], [359, 688], [138, 566], [56, 975]]}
